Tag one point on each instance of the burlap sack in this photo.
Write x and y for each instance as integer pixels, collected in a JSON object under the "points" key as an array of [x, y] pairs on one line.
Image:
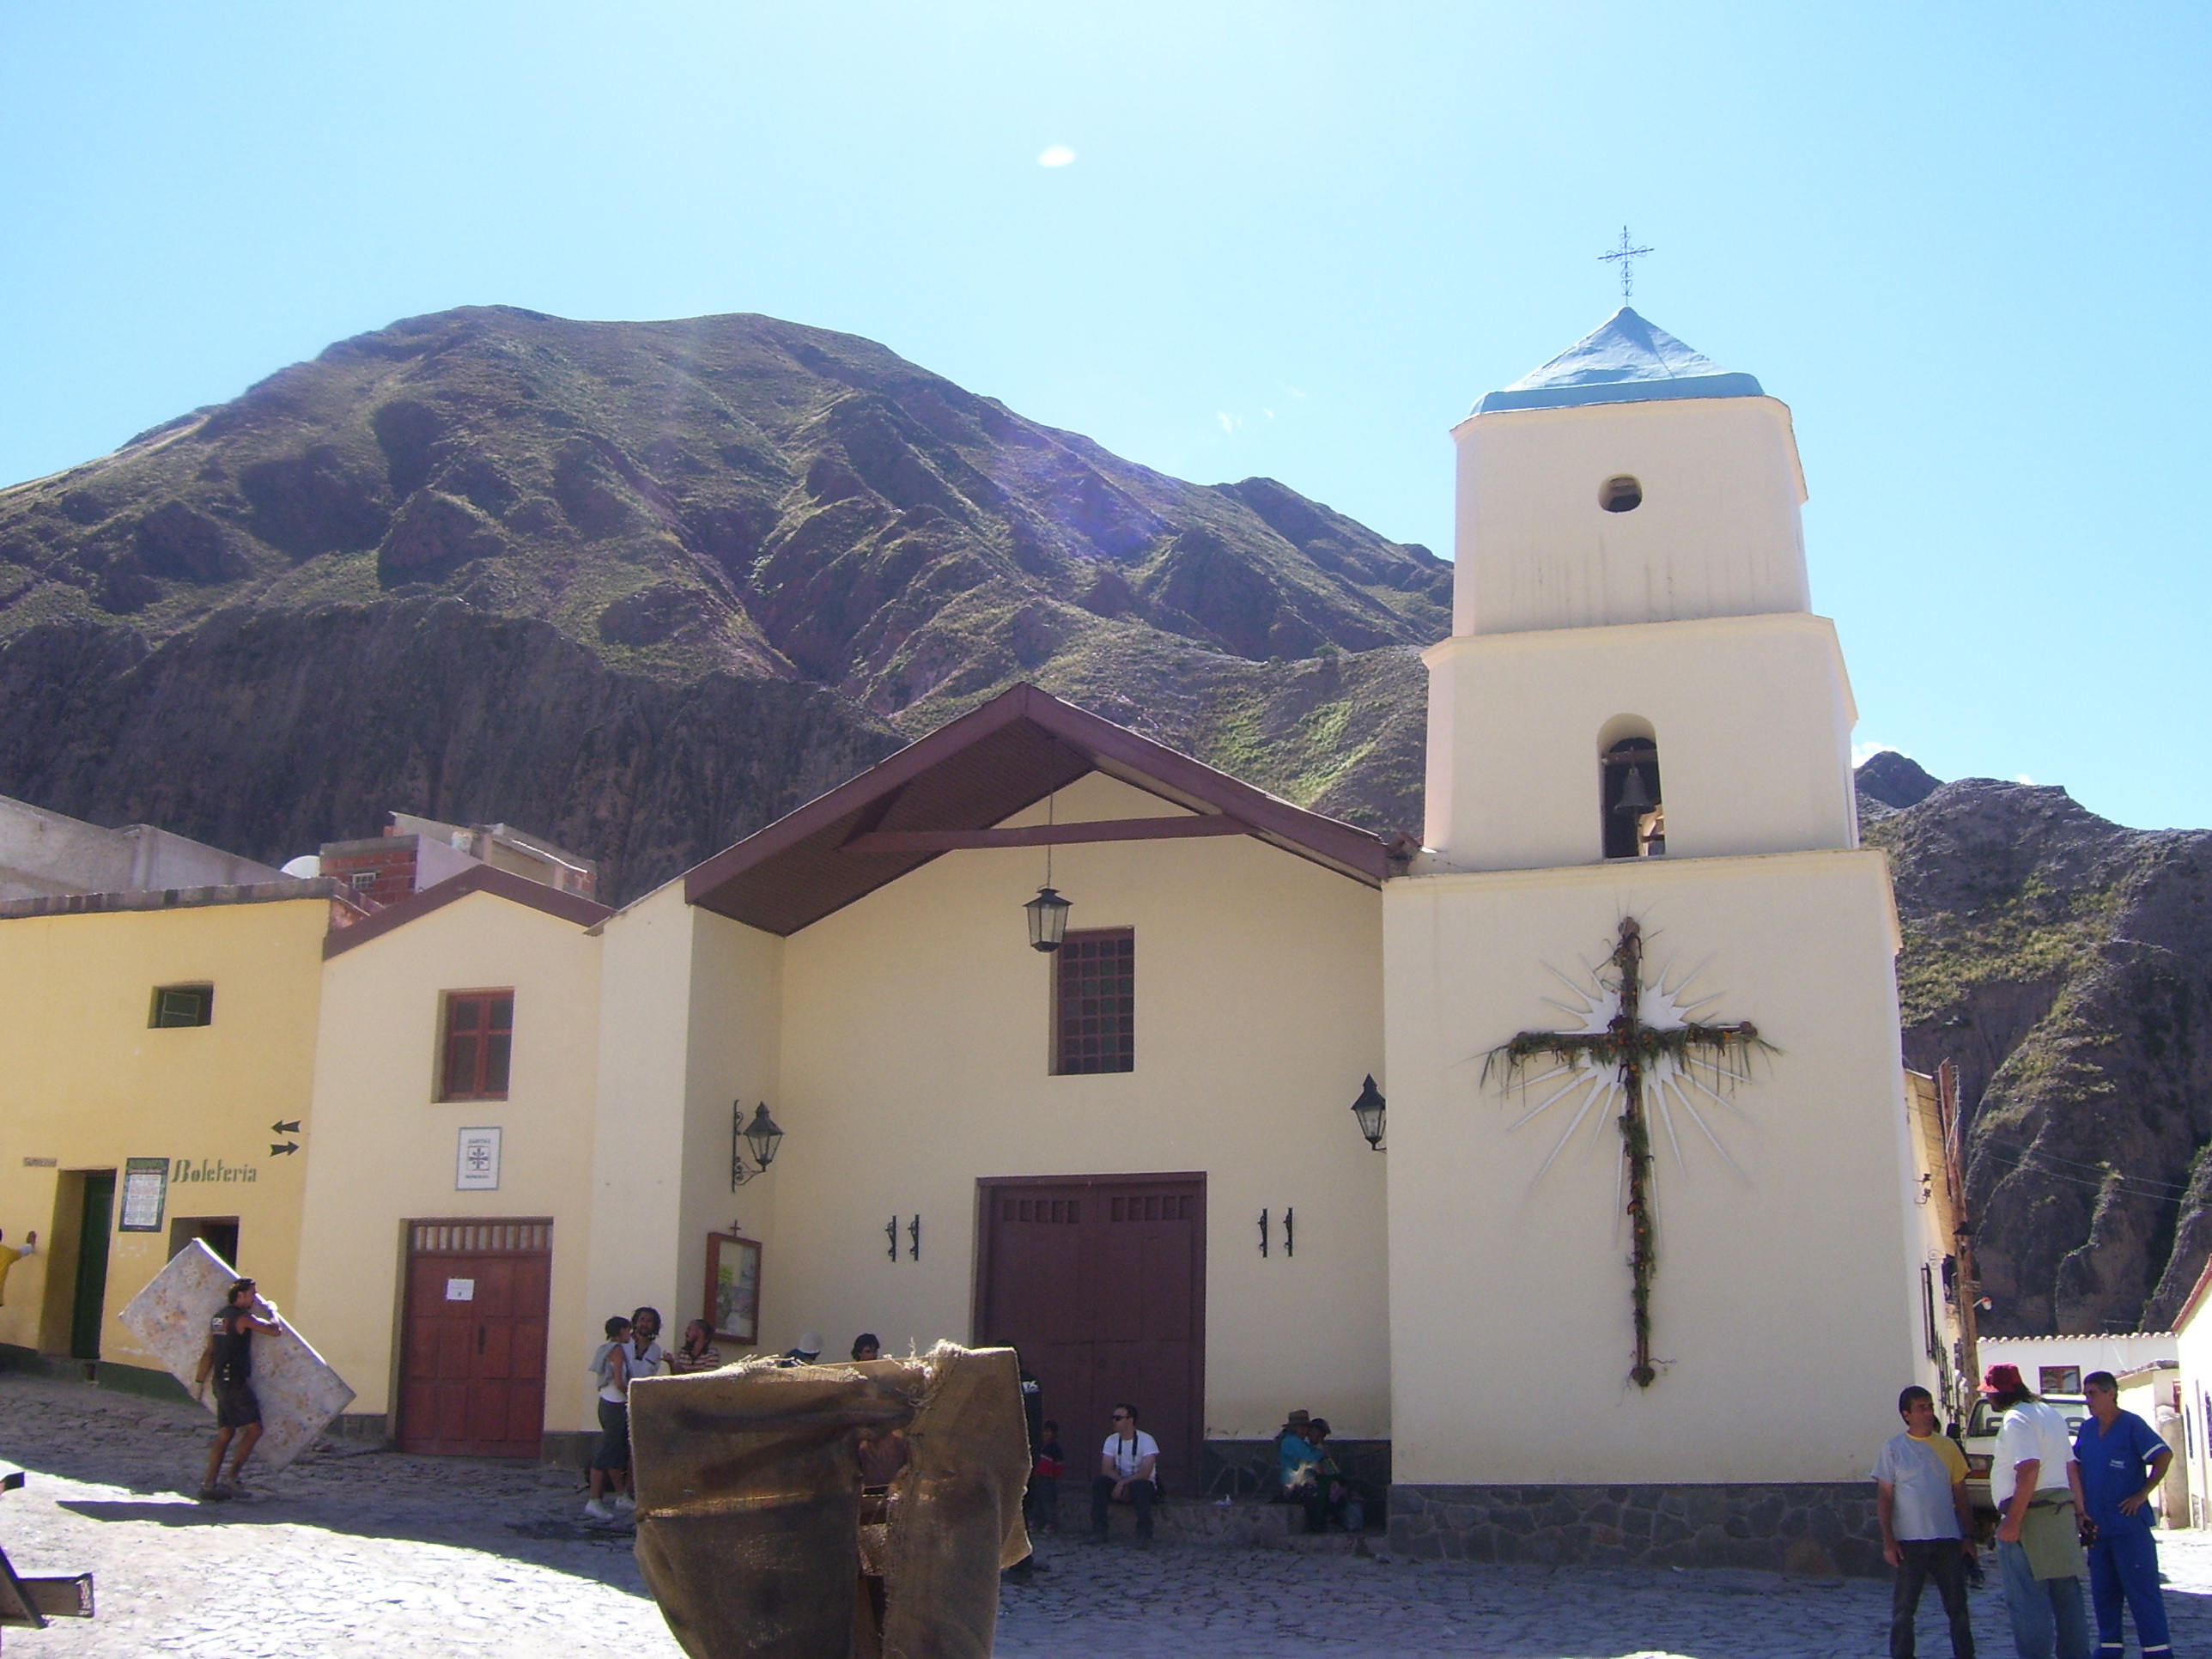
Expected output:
{"points": [[748, 1493]]}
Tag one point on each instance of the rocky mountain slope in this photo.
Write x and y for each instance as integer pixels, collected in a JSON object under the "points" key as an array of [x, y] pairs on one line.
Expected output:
{"points": [[644, 587], [2064, 964]]}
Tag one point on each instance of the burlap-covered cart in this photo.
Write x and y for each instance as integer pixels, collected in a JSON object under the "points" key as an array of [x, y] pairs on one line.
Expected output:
{"points": [[753, 1532]]}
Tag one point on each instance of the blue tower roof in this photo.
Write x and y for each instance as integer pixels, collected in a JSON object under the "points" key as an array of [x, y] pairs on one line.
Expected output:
{"points": [[1624, 360]]}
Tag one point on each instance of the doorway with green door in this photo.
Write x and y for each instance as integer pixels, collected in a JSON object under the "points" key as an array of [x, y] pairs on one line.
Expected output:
{"points": [[76, 1272]]}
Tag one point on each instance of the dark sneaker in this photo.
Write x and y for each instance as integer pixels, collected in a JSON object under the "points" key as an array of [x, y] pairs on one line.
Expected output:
{"points": [[213, 1494]]}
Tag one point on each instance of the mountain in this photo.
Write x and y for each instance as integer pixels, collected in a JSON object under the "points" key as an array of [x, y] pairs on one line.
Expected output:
{"points": [[2064, 962], [645, 587]]}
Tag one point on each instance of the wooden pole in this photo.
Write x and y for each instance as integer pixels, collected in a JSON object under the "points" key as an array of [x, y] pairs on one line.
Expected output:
{"points": [[1968, 1282]]}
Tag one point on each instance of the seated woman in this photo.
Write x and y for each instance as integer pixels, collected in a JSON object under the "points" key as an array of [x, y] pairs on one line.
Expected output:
{"points": [[1298, 1471], [1340, 1502]]}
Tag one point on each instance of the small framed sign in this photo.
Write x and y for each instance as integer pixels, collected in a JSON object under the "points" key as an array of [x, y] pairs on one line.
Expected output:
{"points": [[733, 1269], [476, 1161], [145, 1194]]}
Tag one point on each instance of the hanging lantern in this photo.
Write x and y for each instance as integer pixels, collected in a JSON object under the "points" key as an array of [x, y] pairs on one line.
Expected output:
{"points": [[764, 1136], [1368, 1109], [1048, 919]]}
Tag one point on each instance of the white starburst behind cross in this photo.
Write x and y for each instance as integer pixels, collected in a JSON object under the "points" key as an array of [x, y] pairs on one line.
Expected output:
{"points": [[1679, 1089]]}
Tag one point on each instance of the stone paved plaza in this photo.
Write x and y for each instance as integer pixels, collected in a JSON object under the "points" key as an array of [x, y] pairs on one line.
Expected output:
{"points": [[375, 1553]]}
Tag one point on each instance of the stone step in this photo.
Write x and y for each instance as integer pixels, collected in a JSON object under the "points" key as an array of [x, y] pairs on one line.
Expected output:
{"points": [[1240, 1525]]}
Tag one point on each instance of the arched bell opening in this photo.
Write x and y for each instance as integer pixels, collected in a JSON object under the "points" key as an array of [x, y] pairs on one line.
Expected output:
{"points": [[1629, 800]]}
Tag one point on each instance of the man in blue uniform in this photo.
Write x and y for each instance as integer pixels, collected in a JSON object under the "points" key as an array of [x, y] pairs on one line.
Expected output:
{"points": [[2122, 1460]]}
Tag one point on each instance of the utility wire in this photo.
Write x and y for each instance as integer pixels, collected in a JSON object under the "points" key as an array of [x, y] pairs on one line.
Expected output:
{"points": [[2025, 1161], [2095, 1169]]}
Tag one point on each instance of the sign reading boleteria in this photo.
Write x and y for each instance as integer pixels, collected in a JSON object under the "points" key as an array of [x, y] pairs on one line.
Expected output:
{"points": [[1639, 1052]]}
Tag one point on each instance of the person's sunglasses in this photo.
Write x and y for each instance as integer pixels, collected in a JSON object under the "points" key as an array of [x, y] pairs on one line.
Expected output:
{"points": [[1121, 1417]]}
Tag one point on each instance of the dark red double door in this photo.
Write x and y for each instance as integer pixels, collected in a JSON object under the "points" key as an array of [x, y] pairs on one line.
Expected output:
{"points": [[1100, 1281], [473, 1359]]}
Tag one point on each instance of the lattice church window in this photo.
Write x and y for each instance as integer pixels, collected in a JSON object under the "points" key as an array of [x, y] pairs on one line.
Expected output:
{"points": [[1094, 1015]]}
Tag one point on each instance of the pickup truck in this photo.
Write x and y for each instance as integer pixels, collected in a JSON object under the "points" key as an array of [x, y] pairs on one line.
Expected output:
{"points": [[1980, 1441]]}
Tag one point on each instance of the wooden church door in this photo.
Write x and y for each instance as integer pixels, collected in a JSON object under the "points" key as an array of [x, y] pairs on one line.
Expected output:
{"points": [[472, 1365], [1100, 1281]]}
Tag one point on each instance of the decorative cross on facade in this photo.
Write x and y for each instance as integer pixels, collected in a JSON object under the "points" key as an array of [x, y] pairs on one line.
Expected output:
{"points": [[1648, 1061], [1626, 257]]}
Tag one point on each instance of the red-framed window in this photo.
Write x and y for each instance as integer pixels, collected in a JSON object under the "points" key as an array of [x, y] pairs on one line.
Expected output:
{"points": [[1094, 1004], [478, 1042]]}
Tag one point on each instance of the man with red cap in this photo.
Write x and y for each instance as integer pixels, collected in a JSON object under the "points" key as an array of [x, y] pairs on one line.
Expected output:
{"points": [[2037, 1487]]}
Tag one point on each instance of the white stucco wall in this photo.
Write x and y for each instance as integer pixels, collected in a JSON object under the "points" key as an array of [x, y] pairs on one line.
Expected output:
{"points": [[2192, 1345], [1752, 715], [1784, 1311], [1717, 534], [383, 1147], [915, 1060]]}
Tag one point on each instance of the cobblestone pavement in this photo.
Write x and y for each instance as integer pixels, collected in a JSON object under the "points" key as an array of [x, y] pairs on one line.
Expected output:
{"points": [[376, 1553]]}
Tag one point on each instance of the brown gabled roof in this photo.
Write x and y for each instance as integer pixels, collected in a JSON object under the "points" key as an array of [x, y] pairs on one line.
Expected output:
{"points": [[485, 878], [977, 771]]}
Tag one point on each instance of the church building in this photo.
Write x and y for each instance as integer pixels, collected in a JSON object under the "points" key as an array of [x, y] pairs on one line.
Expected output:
{"points": [[1562, 1161]]}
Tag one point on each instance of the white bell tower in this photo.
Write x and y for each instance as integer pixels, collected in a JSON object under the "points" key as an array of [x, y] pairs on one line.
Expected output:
{"points": [[1631, 567], [1651, 1196]]}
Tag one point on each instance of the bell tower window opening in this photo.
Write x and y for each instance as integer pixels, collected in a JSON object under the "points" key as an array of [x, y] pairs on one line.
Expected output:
{"points": [[1628, 796], [1620, 494]]}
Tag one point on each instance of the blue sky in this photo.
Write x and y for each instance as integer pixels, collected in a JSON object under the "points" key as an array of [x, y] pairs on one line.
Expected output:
{"points": [[1966, 244]]}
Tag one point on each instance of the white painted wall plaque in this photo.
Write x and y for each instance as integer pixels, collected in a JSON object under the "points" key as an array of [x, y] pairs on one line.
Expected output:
{"points": [[475, 1168], [460, 1289]]}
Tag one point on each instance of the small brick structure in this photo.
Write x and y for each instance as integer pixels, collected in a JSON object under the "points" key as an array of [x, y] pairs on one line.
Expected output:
{"points": [[1821, 1529]]}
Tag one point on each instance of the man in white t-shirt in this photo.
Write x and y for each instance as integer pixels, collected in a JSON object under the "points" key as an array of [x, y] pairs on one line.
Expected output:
{"points": [[2037, 1486], [1128, 1472]]}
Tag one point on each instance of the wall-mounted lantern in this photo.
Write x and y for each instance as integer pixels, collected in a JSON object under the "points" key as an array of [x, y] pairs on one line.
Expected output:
{"points": [[763, 1135], [1368, 1109], [1048, 919]]}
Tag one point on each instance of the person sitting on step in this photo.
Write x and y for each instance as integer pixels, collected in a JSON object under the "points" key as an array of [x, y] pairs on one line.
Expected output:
{"points": [[1128, 1472]]}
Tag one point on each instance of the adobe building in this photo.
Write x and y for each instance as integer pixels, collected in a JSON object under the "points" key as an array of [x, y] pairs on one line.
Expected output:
{"points": [[161, 1057], [1625, 1027]]}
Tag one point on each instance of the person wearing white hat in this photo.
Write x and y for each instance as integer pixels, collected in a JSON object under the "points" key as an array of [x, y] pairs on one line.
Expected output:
{"points": [[808, 1350]]}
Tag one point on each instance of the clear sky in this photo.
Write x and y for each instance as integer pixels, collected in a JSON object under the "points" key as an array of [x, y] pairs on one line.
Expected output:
{"points": [[1967, 244]]}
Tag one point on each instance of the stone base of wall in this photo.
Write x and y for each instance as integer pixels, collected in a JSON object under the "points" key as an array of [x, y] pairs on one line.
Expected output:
{"points": [[104, 1373], [569, 1448], [1821, 1529], [1247, 1468]]}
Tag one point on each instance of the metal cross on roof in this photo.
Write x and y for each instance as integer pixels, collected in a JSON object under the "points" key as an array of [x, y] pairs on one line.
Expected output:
{"points": [[1626, 257]]}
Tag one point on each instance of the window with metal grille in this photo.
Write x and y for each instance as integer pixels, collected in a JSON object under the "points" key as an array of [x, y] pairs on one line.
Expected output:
{"points": [[182, 1005], [1094, 1011], [479, 1038]]}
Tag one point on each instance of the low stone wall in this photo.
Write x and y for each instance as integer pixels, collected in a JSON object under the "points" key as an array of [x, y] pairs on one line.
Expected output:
{"points": [[1821, 1529]]}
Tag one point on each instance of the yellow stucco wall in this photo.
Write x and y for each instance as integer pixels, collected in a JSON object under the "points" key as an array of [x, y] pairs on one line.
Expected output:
{"points": [[1784, 1311], [88, 1084], [914, 1059], [689, 1025], [385, 1147]]}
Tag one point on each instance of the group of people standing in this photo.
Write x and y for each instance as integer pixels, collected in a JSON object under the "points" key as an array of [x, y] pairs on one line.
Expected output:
{"points": [[632, 1349], [2068, 1508]]}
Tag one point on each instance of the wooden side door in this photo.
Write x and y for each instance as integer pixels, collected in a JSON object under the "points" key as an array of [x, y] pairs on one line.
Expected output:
{"points": [[472, 1362], [1100, 1281]]}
